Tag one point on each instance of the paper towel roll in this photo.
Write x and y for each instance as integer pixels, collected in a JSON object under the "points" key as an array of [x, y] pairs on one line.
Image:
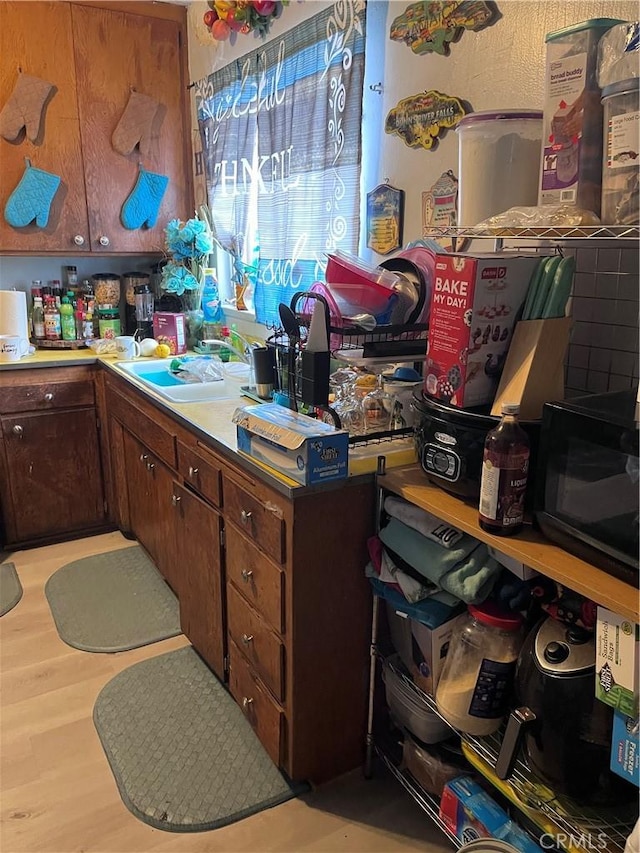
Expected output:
{"points": [[13, 314]]}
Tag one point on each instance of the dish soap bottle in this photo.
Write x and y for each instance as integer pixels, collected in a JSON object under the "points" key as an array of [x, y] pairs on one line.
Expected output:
{"points": [[505, 466]]}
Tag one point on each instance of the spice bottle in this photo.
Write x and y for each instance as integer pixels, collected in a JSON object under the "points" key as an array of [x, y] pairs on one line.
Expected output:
{"points": [[505, 466], [474, 690]]}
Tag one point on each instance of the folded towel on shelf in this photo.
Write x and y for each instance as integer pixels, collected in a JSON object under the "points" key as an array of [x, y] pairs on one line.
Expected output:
{"points": [[466, 570], [424, 522], [388, 572]]}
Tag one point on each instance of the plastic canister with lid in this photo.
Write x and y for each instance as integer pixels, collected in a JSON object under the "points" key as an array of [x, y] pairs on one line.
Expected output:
{"points": [[498, 162], [477, 677], [106, 287], [621, 160]]}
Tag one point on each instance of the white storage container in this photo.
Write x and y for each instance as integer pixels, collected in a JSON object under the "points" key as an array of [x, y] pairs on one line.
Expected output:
{"points": [[407, 710], [621, 160], [498, 162]]}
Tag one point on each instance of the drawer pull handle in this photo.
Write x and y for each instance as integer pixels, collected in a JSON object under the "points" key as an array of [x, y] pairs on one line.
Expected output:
{"points": [[175, 499], [48, 397], [17, 430], [245, 516], [246, 703], [78, 240], [143, 457], [104, 240], [192, 471], [247, 575], [246, 639], [150, 466]]}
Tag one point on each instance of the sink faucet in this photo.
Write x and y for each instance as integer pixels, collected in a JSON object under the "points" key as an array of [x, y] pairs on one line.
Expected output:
{"points": [[215, 342]]}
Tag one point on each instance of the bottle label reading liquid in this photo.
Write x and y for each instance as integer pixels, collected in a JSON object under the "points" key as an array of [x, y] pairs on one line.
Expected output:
{"points": [[491, 694], [503, 488]]}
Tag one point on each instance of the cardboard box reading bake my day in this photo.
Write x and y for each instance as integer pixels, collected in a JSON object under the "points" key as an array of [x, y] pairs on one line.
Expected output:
{"points": [[304, 449], [474, 305], [617, 661]]}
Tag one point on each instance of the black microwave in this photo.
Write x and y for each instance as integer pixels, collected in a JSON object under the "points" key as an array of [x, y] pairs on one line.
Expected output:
{"points": [[586, 490]]}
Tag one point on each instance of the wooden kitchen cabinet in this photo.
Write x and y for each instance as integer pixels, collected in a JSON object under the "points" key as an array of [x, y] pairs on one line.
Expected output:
{"points": [[51, 483], [94, 57]]}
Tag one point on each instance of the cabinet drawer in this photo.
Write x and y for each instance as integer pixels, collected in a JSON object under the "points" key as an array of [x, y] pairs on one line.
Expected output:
{"points": [[257, 642], [256, 578], [200, 473], [262, 523], [266, 718], [152, 434], [43, 396]]}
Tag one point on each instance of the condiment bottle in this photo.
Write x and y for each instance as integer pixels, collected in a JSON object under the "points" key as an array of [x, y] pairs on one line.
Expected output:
{"points": [[52, 328], [67, 320], [38, 318], [474, 689], [505, 467]]}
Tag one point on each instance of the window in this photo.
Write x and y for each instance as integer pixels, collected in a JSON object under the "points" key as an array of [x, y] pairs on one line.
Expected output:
{"points": [[281, 136]]}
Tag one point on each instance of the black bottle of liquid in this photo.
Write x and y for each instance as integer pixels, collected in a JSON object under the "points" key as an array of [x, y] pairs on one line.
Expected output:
{"points": [[505, 467]]}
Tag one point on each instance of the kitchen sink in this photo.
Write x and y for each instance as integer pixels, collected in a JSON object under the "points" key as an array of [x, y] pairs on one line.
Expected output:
{"points": [[157, 376]]}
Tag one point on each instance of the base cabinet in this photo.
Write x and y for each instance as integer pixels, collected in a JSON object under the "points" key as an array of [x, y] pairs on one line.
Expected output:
{"points": [[51, 483]]}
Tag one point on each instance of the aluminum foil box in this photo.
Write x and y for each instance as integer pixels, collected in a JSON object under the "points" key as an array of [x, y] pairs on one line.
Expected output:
{"points": [[302, 448]]}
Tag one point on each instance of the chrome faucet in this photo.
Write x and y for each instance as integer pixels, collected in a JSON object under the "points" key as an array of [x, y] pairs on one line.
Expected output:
{"points": [[243, 356]]}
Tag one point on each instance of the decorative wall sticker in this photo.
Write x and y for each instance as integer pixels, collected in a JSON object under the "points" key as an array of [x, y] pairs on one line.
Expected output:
{"points": [[385, 212], [430, 27], [25, 108], [420, 119], [139, 124], [142, 205], [32, 198], [440, 209]]}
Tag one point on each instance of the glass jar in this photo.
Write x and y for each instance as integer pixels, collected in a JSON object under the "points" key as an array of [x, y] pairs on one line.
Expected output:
{"points": [[109, 323], [106, 287], [131, 280], [474, 690]]}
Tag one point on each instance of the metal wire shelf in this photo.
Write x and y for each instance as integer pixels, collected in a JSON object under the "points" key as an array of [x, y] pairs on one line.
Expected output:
{"points": [[577, 232], [572, 820]]}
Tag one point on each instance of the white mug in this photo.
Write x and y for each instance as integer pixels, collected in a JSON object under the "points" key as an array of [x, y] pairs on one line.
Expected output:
{"points": [[13, 347], [127, 347]]}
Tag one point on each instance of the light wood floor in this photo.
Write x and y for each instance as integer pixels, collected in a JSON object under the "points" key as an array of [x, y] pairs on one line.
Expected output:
{"points": [[57, 793]]}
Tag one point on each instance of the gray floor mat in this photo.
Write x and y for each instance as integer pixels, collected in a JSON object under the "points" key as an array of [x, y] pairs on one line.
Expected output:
{"points": [[10, 588], [184, 757], [112, 602]]}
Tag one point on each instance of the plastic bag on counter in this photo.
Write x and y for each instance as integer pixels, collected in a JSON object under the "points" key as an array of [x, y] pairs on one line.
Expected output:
{"points": [[103, 346], [517, 219], [191, 370]]}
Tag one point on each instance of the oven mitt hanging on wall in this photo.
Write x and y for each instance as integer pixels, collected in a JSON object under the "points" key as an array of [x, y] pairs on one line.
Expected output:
{"points": [[139, 124], [24, 108], [32, 198], [142, 205]]}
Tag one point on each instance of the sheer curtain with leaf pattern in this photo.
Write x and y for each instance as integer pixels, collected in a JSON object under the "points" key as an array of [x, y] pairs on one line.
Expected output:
{"points": [[281, 132]]}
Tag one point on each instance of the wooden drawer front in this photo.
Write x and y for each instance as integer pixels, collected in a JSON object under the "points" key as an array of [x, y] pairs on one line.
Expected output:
{"points": [[161, 442], [260, 710], [256, 578], [46, 395], [261, 523], [199, 473], [257, 642]]}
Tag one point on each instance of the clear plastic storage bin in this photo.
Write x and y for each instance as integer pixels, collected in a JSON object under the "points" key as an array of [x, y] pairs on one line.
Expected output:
{"points": [[621, 160]]}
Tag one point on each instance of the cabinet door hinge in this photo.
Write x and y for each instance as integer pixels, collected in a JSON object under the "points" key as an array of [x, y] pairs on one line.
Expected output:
{"points": [[223, 538], [98, 424], [225, 665], [106, 507]]}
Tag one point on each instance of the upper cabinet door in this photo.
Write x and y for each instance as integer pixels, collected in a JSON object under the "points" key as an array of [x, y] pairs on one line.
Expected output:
{"points": [[115, 53], [37, 38]]}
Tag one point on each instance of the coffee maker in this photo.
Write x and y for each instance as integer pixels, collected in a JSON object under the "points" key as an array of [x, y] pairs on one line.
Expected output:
{"points": [[143, 296]]}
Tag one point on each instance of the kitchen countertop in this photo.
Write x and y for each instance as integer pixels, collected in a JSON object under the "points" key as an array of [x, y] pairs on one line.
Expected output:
{"points": [[212, 421]]}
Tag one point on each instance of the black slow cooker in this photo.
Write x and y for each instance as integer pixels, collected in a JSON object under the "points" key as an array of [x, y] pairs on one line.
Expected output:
{"points": [[450, 444]]}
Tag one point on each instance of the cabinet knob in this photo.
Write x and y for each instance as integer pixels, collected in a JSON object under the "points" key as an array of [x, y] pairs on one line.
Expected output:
{"points": [[175, 499], [246, 639], [17, 430], [245, 516], [246, 703], [143, 457], [192, 471], [150, 466], [247, 574], [78, 240], [104, 241], [48, 397]]}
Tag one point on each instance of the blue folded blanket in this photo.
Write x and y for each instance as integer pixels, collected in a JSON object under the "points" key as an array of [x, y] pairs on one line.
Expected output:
{"points": [[466, 570]]}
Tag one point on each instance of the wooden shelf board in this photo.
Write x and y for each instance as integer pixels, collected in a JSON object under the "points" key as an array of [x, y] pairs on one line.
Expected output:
{"points": [[529, 546]]}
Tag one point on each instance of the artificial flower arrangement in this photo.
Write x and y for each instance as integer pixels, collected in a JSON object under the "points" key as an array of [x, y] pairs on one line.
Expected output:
{"points": [[244, 16], [189, 245]]}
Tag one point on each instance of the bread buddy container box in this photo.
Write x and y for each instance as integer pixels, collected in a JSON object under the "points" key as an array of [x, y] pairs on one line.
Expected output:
{"points": [[475, 302]]}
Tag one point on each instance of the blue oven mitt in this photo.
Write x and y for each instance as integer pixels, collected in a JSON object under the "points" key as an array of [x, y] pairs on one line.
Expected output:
{"points": [[32, 198], [143, 203]]}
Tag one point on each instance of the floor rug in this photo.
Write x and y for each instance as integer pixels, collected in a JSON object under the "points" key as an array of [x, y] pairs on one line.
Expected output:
{"points": [[184, 757], [10, 588], [112, 602]]}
